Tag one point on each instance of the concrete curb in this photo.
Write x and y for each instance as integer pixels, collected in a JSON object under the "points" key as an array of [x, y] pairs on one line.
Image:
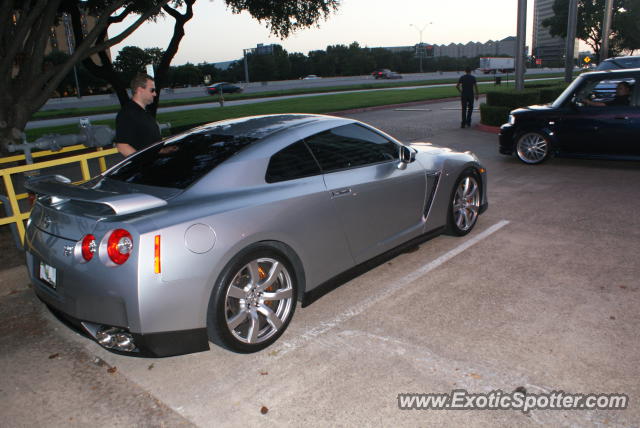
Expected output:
{"points": [[488, 128], [13, 280]]}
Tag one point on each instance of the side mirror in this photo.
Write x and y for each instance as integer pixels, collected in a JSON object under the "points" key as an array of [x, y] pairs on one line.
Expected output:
{"points": [[407, 155]]}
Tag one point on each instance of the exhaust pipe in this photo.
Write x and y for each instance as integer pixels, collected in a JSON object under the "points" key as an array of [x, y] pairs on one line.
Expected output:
{"points": [[116, 338]]}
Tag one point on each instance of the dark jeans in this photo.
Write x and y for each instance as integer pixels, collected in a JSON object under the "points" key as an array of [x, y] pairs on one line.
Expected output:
{"points": [[467, 109]]}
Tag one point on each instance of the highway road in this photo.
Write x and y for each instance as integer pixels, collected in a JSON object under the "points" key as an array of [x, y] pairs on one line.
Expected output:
{"points": [[281, 85], [257, 87]]}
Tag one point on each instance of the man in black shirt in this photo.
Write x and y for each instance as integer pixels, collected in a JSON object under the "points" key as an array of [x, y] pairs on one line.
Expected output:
{"points": [[466, 86], [135, 127], [623, 91]]}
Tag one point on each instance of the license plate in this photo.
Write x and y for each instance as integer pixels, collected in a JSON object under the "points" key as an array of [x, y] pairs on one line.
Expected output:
{"points": [[48, 274]]}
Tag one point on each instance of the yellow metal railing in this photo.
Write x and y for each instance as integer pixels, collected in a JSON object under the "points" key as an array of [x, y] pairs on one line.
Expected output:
{"points": [[19, 217]]}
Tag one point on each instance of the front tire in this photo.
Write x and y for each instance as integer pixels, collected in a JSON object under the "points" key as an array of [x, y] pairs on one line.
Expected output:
{"points": [[464, 206], [532, 148], [253, 301]]}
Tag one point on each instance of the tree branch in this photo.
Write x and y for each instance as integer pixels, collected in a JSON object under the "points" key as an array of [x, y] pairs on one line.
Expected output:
{"points": [[23, 31]]}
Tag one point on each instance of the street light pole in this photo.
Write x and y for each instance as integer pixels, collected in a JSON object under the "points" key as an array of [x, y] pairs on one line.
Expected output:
{"points": [[420, 30], [71, 45], [246, 66], [606, 30], [572, 24]]}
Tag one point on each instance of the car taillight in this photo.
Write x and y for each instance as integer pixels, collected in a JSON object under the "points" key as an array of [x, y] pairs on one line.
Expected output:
{"points": [[88, 247], [156, 255], [119, 246]]}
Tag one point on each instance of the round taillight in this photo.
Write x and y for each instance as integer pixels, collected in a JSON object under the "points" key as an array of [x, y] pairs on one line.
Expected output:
{"points": [[88, 247], [119, 246]]}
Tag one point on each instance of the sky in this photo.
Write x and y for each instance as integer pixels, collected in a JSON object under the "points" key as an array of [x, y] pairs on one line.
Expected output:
{"points": [[215, 34]]}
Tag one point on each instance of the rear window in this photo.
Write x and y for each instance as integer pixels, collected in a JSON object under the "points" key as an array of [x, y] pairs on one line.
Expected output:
{"points": [[179, 163], [181, 160]]}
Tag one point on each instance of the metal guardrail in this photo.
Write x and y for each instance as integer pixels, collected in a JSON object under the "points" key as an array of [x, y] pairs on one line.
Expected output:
{"points": [[17, 217], [91, 136]]}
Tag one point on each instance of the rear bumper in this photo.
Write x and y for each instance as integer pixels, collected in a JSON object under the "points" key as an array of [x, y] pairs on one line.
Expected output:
{"points": [[94, 299], [153, 345]]}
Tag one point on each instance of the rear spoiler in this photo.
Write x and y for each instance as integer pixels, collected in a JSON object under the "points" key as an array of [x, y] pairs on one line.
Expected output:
{"points": [[60, 189]]}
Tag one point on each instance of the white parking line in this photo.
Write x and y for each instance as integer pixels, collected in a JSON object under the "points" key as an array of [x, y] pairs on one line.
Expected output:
{"points": [[412, 109], [285, 347]]}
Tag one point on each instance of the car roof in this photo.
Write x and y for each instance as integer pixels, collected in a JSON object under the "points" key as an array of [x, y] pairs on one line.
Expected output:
{"points": [[261, 127], [623, 72], [615, 58]]}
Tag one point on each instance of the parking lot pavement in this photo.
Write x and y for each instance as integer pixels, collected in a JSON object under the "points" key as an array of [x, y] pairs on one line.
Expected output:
{"points": [[543, 296]]}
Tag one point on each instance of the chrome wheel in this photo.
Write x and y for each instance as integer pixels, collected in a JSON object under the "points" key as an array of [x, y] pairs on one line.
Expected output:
{"points": [[532, 148], [259, 301], [465, 205]]}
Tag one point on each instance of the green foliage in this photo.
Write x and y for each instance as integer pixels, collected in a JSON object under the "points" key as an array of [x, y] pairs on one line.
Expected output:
{"points": [[499, 103], [285, 17], [494, 115], [514, 99], [625, 26], [548, 95]]}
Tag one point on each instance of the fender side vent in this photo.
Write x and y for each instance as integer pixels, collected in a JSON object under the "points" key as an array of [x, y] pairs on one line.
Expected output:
{"points": [[432, 185]]}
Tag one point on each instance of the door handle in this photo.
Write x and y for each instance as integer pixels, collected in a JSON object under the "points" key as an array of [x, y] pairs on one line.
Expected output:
{"points": [[341, 192], [621, 117]]}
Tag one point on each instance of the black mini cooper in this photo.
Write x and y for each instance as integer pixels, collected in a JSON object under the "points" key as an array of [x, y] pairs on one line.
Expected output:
{"points": [[584, 121]]}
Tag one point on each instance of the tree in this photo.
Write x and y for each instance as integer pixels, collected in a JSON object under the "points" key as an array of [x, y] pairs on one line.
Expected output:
{"points": [[25, 82], [624, 26], [131, 60]]}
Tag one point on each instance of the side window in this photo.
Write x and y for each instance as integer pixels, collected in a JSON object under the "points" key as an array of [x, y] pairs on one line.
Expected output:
{"points": [[351, 146], [609, 92], [294, 161]]}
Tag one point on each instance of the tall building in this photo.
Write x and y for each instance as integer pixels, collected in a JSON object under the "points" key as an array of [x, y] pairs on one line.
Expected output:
{"points": [[546, 47], [61, 36]]}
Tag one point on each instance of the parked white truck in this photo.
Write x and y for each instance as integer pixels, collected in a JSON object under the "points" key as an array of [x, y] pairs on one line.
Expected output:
{"points": [[497, 65]]}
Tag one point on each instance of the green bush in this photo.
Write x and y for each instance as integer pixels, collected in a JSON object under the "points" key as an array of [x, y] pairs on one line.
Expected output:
{"points": [[548, 95], [513, 100], [494, 115]]}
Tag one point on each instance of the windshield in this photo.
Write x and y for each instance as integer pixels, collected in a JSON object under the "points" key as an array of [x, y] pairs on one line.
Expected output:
{"points": [[567, 92]]}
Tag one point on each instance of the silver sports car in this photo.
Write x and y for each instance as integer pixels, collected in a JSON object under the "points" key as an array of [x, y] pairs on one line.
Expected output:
{"points": [[217, 233]]}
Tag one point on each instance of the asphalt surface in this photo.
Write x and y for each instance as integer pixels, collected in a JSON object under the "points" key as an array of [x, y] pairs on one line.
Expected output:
{"points": [[543, 295]]}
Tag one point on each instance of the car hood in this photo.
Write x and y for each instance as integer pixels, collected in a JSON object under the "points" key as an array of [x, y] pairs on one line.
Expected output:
{"points": [[424, 147], [534, 111], [535, 108]]}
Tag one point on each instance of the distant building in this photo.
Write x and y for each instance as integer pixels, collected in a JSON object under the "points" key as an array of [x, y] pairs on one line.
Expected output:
{"points": [[546, 47], [61, 36], [506, 46]]}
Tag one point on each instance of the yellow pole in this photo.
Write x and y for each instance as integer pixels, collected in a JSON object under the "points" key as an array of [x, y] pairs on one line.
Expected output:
{"points": [[11, 194]]}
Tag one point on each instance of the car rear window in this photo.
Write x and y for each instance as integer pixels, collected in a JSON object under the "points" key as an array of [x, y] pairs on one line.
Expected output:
{"points": [[179, 163], [181, 160]]}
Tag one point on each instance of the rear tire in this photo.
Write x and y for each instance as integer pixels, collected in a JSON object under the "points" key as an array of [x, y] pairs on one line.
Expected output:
{"points": [[253, 300]]}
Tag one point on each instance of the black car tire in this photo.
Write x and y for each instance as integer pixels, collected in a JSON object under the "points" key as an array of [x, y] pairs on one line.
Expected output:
{"points": [[532, 147], [234, 312], [464, 204]]}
